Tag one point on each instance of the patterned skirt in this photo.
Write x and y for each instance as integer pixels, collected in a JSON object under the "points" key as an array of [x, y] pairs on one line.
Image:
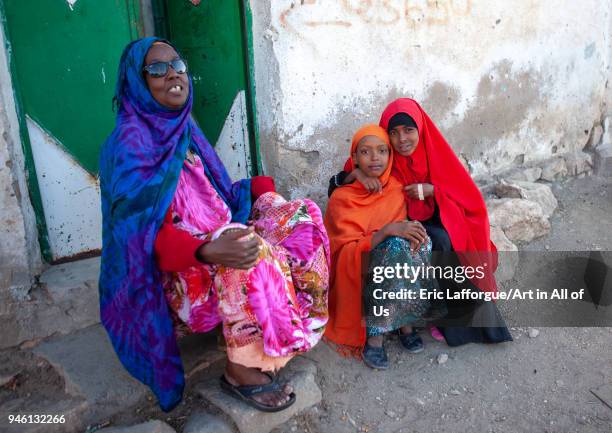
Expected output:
{"points": [[386, 315], [273, 310]]}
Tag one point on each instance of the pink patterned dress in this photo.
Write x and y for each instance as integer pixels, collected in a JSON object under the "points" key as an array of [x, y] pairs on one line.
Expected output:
{"points": [[275, 309]]}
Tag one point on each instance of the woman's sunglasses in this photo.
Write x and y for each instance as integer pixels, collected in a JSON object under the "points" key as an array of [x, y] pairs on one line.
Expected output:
{"points": [[160, 69]]}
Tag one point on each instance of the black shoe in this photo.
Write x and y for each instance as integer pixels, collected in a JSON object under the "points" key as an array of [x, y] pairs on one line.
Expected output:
{"points": [[375, 357], [411, 342]]}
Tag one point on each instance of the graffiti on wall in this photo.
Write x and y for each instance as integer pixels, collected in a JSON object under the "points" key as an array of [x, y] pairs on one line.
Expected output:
{"points": [[313, 13]]}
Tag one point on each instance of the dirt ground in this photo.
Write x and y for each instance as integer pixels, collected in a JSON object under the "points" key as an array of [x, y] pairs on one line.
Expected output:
{"points": [[533, 384], [539, 384]]}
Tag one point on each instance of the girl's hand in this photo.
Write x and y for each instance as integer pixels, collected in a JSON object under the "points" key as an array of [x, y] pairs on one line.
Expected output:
{"points": [[412, 231], [372, 184], [229, 251], [413, 190]]}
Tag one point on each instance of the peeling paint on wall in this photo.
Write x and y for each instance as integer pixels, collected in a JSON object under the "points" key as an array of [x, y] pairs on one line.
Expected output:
{"points": [[70, 196], [233, 143], [71, 4], [504, 81]]}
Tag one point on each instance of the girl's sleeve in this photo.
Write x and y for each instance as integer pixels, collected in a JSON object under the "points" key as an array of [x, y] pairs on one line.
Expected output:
{"points": [[261, 185], [335, 181], [175, 249]]}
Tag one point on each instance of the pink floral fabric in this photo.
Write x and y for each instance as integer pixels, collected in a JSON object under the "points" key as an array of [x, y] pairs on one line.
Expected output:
{"points": [[280, 304]]}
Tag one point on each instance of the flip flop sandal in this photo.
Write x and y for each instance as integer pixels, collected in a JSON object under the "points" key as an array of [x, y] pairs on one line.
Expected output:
{"points": [[247, 392]]}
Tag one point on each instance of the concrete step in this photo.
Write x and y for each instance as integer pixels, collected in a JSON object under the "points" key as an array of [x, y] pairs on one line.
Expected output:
{"points": [[300, 374], [147, 427], [92, 385], [92, 372], [603, 160], [65, 301]]}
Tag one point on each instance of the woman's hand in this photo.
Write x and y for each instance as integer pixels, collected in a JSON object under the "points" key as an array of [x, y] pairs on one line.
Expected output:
{"points": [[372, 184], [413, 190], [229, 251], [413, 231]]}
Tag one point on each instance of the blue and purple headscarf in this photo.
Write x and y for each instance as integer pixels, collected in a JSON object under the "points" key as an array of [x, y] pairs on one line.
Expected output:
{"points": [[140, 165]]}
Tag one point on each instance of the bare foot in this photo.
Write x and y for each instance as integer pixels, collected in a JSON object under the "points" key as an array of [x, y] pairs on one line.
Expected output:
{"points": [[406, 330], [237, 374], [375, 341]]}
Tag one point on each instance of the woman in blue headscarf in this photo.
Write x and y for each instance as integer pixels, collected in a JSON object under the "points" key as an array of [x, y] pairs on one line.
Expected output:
{"points": [[177, 256]]}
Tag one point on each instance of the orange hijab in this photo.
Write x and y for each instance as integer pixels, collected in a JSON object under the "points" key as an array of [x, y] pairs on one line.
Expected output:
{"points": [[353, 215]]}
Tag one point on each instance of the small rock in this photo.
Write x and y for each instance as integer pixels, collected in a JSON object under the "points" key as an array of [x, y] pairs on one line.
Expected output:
{"points": [[147, 427], [206, 423], [454, 392], [554, 170], [603, 160], [520, 219], [508, 258], [442, 358], [8, 378], [535, 192], [579, 163], [527, 174], [596, 136], [351, 420], [391, 414], [559, 383], [533, 333]]}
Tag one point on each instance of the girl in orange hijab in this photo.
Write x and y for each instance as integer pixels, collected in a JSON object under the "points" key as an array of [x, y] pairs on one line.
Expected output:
{"points": [[364, 226], [440, 193]]}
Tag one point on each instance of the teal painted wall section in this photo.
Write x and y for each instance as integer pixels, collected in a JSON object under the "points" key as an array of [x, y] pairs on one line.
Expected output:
{"points": [[65, 63], [209, 36]]}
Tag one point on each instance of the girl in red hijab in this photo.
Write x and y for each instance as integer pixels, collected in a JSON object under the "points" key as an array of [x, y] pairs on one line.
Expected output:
{"points": [[440, 193]]}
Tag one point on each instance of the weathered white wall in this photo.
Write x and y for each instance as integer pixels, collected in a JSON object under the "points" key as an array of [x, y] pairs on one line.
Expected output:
{"points": [[19, 250], [505, 81]]}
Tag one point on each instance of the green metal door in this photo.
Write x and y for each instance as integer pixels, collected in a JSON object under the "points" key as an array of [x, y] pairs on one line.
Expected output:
{"points": [[64, 56], [213, 36]]}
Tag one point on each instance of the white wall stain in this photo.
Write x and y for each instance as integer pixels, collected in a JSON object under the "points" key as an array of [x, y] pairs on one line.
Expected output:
{"points": [[71, 4], [64, 183], [339, 62], [233, 143], [70, 196], [103, 75]]}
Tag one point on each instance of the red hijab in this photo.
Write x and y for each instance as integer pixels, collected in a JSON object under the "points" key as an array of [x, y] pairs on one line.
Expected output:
{"points": [[462, 208]]}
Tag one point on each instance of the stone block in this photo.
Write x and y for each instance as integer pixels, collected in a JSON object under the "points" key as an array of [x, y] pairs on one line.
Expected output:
{"points": [[536, 192], [554, 170], [147, 427], [299, 374], [603, 160], [508, 258], [596, 136], [520, 219], [66, 301], [579, 163], [73, 287], [91, 370], [207, 423], [530, 174]]}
